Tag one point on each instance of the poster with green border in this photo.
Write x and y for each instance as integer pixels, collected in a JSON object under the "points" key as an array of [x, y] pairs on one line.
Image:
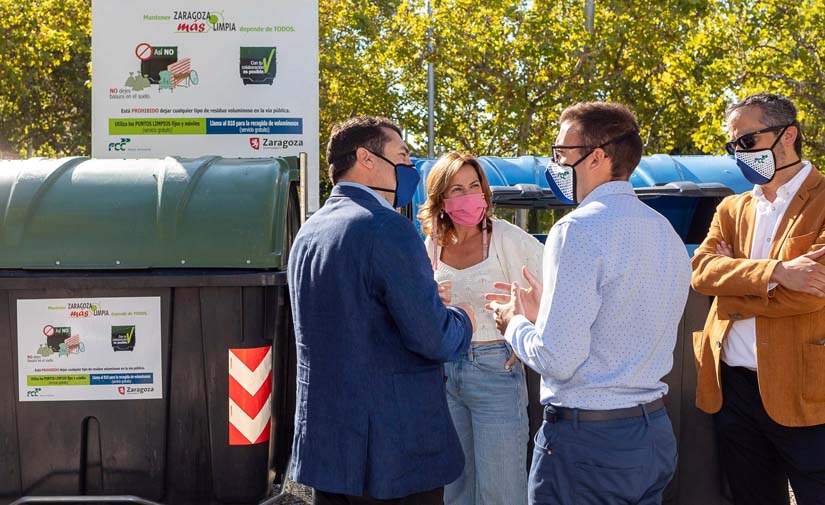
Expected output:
{"points": [[179, 78], [89, 349]]}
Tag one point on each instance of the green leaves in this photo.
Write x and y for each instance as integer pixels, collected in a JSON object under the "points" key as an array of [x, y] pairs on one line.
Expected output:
{"points": [[45, 103], [355, 76], [504, 69]]}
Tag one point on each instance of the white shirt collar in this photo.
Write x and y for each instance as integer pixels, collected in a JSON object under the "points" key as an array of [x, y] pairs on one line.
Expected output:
{"points": [[609, 188], [786, 191]]}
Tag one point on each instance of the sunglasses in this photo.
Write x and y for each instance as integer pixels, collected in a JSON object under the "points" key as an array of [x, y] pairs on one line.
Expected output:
{"points": [[748, 140]]}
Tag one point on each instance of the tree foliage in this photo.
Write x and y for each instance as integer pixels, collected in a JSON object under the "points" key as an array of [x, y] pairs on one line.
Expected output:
{"points": [[45, 94], [504, 69], [354, 78]]}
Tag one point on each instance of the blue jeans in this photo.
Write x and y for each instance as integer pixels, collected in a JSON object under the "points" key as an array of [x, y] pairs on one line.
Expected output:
{"points": [[488, 404], [626, 461]]}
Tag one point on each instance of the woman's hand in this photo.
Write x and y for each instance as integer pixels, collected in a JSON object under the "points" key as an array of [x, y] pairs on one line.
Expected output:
{"points": [[445, 290], [512, 360], [504, 312]]}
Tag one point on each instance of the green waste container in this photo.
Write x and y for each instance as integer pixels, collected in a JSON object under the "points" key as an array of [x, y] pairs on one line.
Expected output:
{"points": [[145, 333]]}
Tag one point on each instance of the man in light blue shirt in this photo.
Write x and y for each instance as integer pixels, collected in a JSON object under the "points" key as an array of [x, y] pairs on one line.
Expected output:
{"points": [[616, 280]]}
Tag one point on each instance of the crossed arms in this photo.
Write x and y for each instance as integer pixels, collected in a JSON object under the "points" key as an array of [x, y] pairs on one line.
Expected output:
{"points": [[743, 286]]}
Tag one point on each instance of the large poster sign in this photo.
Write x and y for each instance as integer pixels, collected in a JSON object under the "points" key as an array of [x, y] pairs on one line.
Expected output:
{"points": [[89, 349], [183, 78]]}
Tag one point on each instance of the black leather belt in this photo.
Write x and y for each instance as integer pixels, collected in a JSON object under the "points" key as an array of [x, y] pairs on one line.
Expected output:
{"points": [[747, 372], [553, 414]]}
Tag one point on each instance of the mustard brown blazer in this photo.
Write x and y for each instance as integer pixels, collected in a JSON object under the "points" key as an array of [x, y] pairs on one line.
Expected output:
{"points": [[789, 324]]}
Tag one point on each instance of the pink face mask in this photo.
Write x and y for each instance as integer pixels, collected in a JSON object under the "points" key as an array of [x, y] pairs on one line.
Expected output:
{"points": [[467, 210]]}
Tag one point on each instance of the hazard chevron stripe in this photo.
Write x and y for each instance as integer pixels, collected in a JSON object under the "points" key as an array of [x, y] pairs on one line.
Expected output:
{"points": [[252, 356], [251, 404], [254, 430], [241, 371], [250, 395], [238, 438]]}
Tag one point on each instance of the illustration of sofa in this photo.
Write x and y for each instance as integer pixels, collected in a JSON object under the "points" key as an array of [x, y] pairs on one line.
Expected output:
{"points": [[74, 345], [179, 73]]}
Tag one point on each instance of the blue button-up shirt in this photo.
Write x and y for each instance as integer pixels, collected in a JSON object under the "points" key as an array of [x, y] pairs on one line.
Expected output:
{"points": [[383, 201], [616, 280]]}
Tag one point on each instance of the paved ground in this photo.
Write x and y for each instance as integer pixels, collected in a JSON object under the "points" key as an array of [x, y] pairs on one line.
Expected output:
{"points": [[300, 495], [296, 495]]}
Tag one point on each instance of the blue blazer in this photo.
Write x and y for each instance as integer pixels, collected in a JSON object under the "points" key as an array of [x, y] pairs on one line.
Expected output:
{"points": [[371, 410]]}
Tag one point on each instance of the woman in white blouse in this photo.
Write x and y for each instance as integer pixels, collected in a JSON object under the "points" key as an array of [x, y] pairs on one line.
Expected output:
{"points": [[486, 389]]}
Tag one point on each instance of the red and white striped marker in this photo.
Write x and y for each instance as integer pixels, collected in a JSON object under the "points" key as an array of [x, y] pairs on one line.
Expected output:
{"points": [[250, 395]]}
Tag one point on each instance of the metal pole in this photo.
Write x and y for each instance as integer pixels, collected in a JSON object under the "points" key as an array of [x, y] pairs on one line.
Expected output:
{"points": [[589, 14], [84, 499], [430, 83], [282, 494], [520, 219], [302, 185]]}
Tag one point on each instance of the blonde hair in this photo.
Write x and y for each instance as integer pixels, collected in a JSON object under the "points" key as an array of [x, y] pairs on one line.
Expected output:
{"points": [[438, 182]]}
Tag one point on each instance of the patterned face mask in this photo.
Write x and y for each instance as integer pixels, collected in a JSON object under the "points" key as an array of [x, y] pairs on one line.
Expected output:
{"points": [[562, 180], [562, 177], [757, 165]]}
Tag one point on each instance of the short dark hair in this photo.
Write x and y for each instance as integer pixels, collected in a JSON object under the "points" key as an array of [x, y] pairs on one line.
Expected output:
{"points": [[776, 111], [347, 136], [601, 122]]}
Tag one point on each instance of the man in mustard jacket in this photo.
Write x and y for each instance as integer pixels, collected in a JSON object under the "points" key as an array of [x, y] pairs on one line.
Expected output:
{"points": [[761, 356]]}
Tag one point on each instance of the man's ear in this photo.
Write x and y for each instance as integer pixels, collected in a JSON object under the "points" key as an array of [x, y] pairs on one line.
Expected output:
{"points": [[363, 157], [597, 158], [790, 135]]}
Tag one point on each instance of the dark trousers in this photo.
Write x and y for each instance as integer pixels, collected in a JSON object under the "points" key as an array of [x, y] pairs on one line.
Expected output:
{"points": [[433, 497], [625, 461], [758, 455]]}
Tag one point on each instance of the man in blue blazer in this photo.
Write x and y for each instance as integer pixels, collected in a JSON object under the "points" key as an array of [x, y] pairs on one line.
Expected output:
{"points": [[371, 421]]}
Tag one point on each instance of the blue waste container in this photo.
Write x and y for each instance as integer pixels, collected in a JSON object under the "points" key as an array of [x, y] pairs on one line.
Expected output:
{"points": [[684, 189]]}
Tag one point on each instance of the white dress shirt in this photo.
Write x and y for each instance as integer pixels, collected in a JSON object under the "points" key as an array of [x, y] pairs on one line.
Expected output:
{"points": [[616, 280], [739, 348]]}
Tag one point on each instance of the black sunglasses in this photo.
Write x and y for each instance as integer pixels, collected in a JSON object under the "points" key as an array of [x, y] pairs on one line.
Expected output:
{"points": [[748, 140]]}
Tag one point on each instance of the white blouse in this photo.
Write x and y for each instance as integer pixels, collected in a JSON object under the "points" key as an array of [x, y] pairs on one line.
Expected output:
{"points": [[510, 248]]}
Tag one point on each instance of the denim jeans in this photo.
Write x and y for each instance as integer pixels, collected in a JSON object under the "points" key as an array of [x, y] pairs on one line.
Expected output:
{"points": [[488, 404], [624, 461]]}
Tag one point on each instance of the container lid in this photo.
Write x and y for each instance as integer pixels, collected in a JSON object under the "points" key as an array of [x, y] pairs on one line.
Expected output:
{"points": [[207, 212]]}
